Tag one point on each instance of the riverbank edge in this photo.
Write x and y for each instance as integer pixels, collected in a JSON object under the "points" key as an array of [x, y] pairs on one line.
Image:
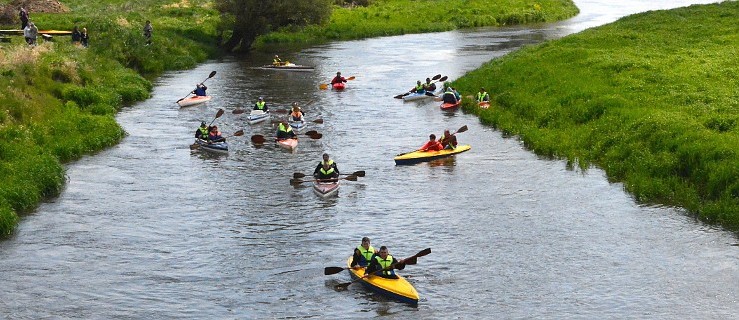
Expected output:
{"points": [[656, 112]]}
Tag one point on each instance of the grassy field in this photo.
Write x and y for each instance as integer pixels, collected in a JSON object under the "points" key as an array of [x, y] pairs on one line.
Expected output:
{"points": [[394, 17], [653, 99]]}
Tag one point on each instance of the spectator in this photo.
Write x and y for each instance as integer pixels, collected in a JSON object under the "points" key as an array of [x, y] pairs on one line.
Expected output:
{"points": [[24, 18], [76, 36], [84, 37], [148, 29], [30, 33]]}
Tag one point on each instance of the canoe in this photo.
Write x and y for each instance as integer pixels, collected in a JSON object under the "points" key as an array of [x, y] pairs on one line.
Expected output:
{"points": [[326, 189], [339, 86], [288, 144], [423, 156], [398, 289], [417, 96], [217, 147], [483, 104], [257, 116], [193, 100], [288, 67], [298, 125], [450, 106]]}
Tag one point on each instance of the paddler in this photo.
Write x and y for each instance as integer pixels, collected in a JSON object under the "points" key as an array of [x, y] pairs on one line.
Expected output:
{"points": [[385, 262], [261, 105], [363, 253], [297, 113], [326, 169], [448, 140], [284, 131], [432, 144]]}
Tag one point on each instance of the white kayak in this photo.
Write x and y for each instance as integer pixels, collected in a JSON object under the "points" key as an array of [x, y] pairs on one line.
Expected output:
{"points": [[417, 96], [257, 116], [298, 125], [193, 100]]}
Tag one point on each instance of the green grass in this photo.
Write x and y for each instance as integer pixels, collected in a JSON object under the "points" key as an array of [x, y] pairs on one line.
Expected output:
{"points": [[395, 17], [652, 99]]}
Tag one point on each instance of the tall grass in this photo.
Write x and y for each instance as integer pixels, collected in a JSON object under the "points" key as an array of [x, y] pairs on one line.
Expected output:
{"points": [[652, 99], [394, 17]]}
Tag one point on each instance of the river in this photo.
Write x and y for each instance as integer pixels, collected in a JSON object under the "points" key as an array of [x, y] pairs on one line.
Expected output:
{"points": [[149, 229]]}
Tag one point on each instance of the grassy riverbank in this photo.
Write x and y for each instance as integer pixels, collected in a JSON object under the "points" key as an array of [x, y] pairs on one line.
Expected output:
{"points": [[61, 99], [653, 99], [395, 17]]}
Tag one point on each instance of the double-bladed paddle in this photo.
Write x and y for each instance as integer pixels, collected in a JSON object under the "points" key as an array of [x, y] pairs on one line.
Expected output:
{"points": [[407, 261], [435, 78], [324, 86], [259, 139], [212, 73], [360, 173], [299, 181]]}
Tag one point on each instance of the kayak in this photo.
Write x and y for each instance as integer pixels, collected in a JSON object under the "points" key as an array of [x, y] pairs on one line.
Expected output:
{"points": [[287, 67], [298, 125], [339, 86], [218, 147], [193, 100], [450, 106], [398, 289], [257, 116], [326, 189], [483, 104], [288, 144], [423, 156], [417, 96]]}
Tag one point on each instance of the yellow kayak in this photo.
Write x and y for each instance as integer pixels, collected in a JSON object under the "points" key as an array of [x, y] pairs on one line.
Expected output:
{"points": [[421, 156], [399, 289]]}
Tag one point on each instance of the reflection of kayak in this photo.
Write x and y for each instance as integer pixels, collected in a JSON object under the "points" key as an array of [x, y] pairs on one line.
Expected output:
{"points": [[422, 156], [339, 85], [193, 100], [288, 67], [399, 289], [449, 106], [298, 125], [288, 144], [219, 147], [257, 116], [326, 189], [417, 96]]}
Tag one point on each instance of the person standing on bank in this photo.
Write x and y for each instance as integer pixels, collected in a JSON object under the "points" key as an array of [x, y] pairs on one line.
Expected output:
{"points": [[148, 29], [85, 38], [24, 17], [76, 36]]}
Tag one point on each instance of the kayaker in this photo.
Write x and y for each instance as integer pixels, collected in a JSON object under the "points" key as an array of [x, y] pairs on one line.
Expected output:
{"points": [[285, 131], [428, 86], [483, 96], [448, 140], [215, 135], [326, 169], [200, 90], [419, 88], [261, 105], [297, 113], [363, 253], [432, 144], [385, 262], [277, 61], [449, 96], [338, 78], [202, 131]]}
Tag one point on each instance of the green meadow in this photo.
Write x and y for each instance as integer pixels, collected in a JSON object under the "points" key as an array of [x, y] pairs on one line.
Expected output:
{"points": [[652, 99]]}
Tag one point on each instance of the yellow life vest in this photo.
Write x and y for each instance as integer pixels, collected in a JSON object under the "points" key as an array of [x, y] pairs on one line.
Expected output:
{"points": [[385, 263], [366, 253]]}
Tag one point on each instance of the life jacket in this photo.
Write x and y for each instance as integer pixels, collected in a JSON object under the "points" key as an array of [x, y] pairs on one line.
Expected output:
{"points": [[296, 116], [260, 105], [330, 171], [366, 255], [277, 61], [283, 129], [420, 88], [203, 132], [481, 95], [385, 263]]}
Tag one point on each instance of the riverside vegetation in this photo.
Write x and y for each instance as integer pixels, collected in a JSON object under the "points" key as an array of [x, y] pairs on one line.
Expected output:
{"points": [[652, 99], [61, 99]]}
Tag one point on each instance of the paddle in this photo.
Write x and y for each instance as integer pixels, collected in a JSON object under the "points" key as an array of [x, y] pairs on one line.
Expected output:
{"points": [[218, 115], [460, 130], [258, 138], [212, 73], [361, 173], [299, 181], [431, 94], [334, 270], [235, 134], [435, 78], [324, 86], [410, 260], [319, 121]]}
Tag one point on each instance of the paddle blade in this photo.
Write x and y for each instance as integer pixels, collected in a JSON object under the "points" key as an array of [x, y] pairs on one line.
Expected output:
{"points": [[462, 129], [258, 138], [298, 175], [318, 121], [351, 78], [436, 77], [359, 173], [411, 261], [400, 96], [239, 133], [220, 112], [443, 78], [332, 270], [238, 111], [316, 136], [311, 132], [422, 253], [296, 181], [323, 86], [212, 74], [351, 178]]}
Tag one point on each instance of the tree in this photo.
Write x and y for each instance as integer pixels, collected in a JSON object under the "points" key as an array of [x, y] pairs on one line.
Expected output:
{"points": [[252, 18]]}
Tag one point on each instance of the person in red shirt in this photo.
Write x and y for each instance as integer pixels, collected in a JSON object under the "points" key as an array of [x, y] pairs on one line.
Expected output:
{"points": [[432, 144]]}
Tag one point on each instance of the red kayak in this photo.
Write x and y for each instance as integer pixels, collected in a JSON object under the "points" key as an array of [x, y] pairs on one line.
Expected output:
{"points": [[339, 86], [450, 106]]}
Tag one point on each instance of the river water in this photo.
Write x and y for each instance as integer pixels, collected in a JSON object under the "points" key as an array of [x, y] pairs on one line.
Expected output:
{"points": [[149, 229]]}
